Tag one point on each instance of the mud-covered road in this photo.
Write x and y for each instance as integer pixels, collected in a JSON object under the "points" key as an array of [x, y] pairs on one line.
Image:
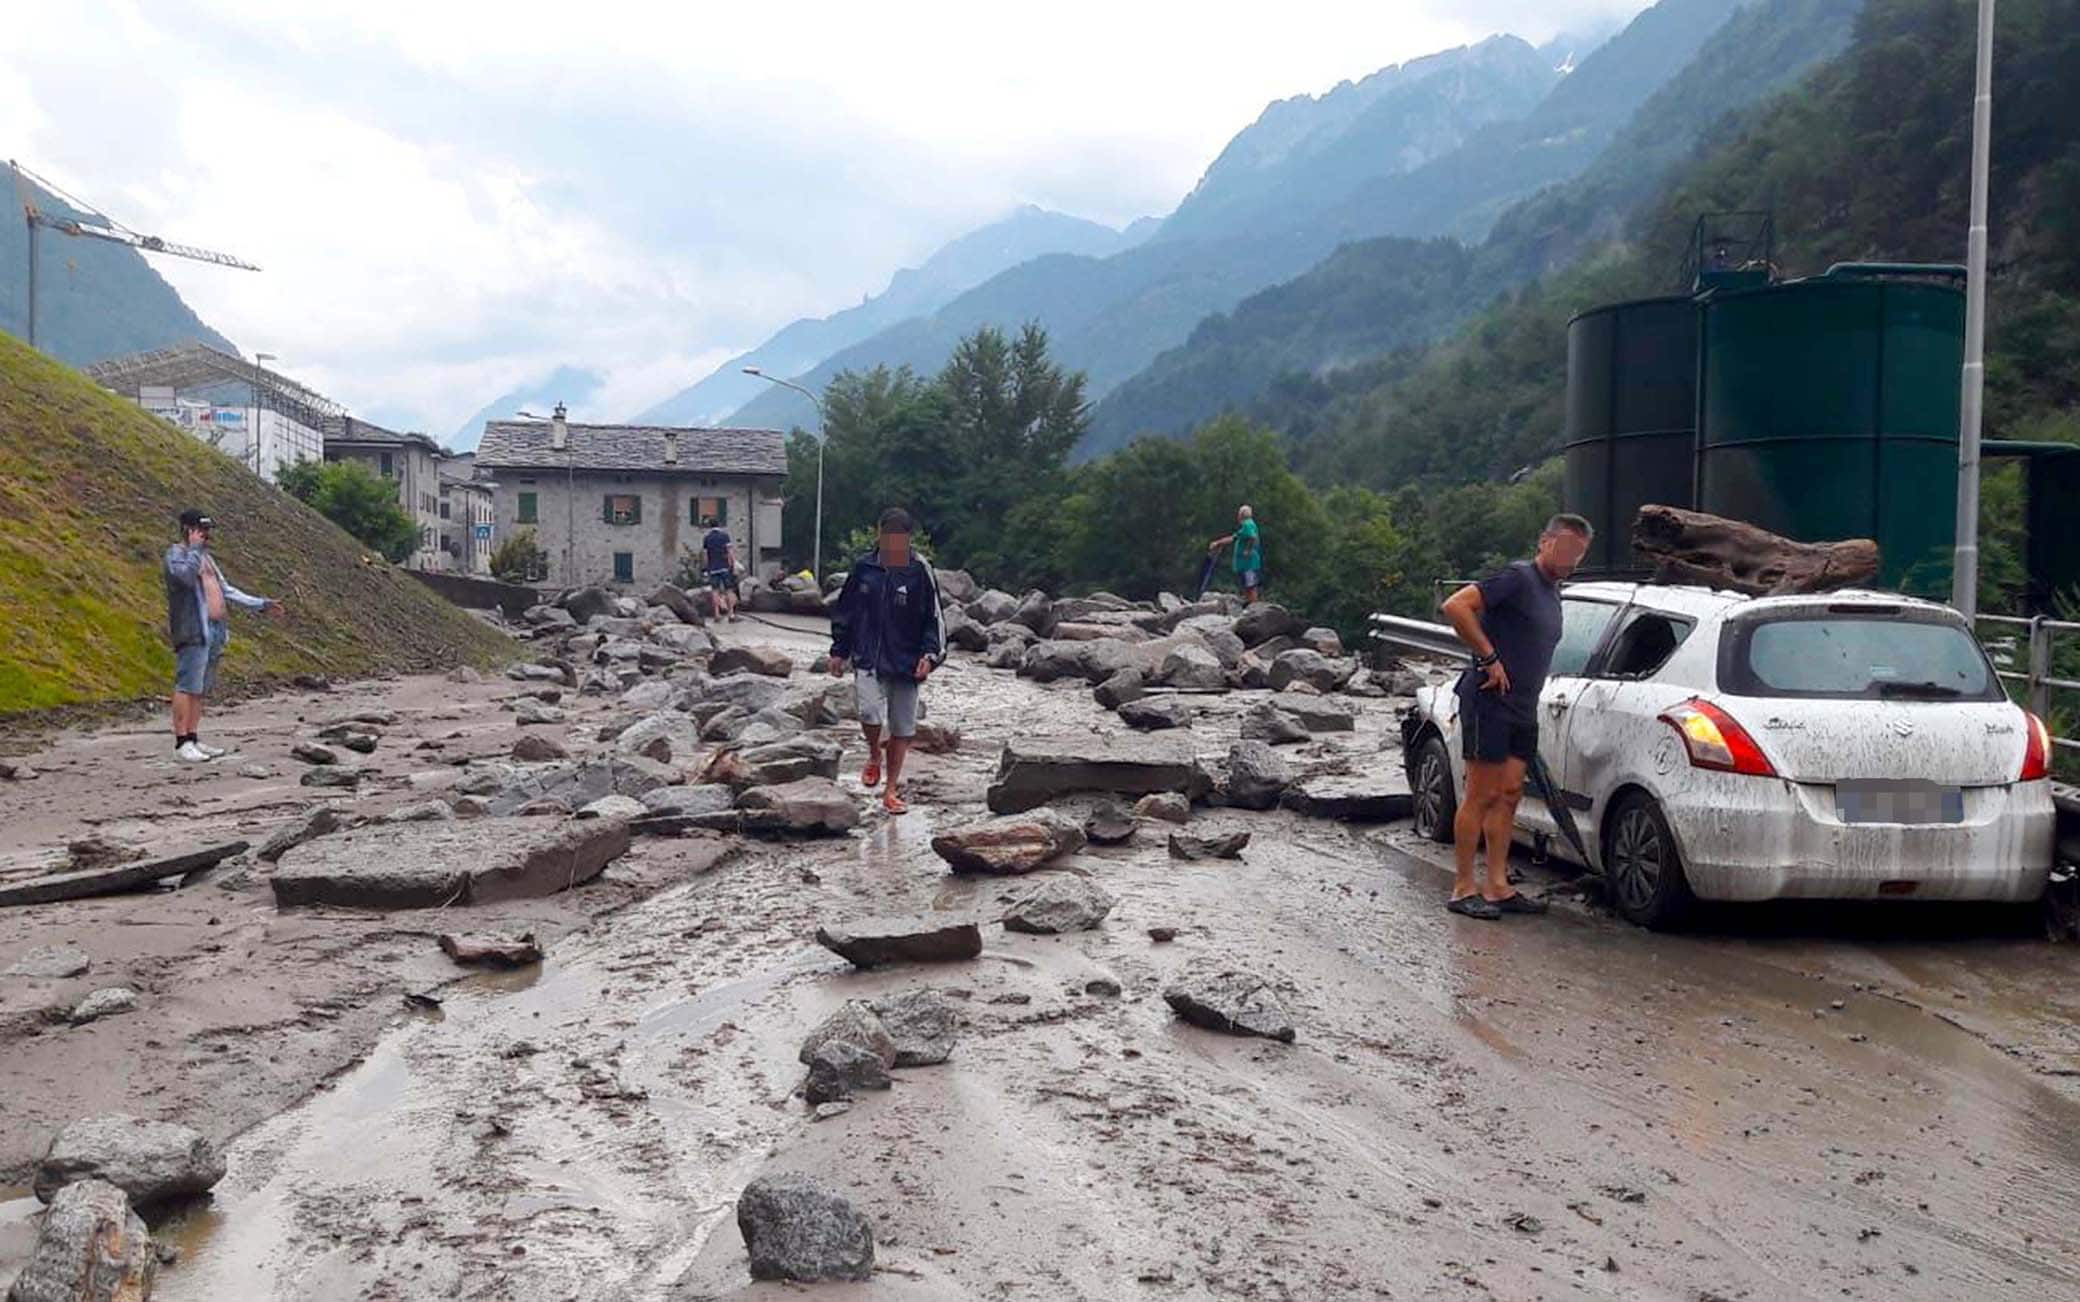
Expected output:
{"points": [[1804, 1104]]}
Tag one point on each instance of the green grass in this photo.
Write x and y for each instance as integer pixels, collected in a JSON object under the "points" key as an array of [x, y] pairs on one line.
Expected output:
{"points": [[89, 489]]}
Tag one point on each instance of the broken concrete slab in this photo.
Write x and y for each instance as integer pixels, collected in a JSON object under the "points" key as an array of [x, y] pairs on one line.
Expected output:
{"points": [[490, 950], [113, 880], [52, 963], [91, 1248], [1036, 770], [923, 1025], [816, 806], [1057, 905], [795, 1227], [150, 1161], [1186, 846], [1376, 795], [428, 865], [1239, 1003], [1014, 843], [879, 942]]}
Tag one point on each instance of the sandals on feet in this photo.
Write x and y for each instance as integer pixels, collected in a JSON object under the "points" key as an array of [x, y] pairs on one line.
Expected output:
{"points": [[893, 803], [870, 776], [1518, 902], [1473, 906]]}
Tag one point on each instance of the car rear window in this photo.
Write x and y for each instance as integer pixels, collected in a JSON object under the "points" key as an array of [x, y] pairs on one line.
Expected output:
{"points": [[1855, 653]]}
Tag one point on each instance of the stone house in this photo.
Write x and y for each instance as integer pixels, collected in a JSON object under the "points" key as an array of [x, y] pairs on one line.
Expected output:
{"points": [[410, 460], [468, 515], [621, 504]]}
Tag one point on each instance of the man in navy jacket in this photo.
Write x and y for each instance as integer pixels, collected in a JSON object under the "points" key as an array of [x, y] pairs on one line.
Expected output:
{"points": [[887, 626]]}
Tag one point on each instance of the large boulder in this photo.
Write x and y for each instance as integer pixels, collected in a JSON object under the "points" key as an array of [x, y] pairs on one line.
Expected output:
{"points": [[748, 692], [1036, 612], [1129, 684], [549, 619], [687, 802], [1045, 661], [90, 1248], [1194, 668], [879, 942], [922, 1024], [675, 599], [1007, 654], [1239, 1003], [1315, 713], [1065, 631], [1265, 722], [856, 1024], [1257, 777], [1075, 609], [1156, 713], [1266, 620], [1300, 665], [586, 604], [796, 1227], [964, 633], [1015, 843], [1323, 641], [686, 639], [812, 806], [1178, 614], [1034, 771], [669, 730], [788, 760], [650, 694], [573, 786], [822, 703], [957, 587], [992, 607], [150, 1161], [436, 864], [1062, 903], [770, 661]]}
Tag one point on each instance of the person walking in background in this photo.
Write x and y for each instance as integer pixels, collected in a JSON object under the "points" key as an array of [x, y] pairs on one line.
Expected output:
{"points": [[1249, 553], [198, 598], [719, 552], [886, 625], [1511, 620]]}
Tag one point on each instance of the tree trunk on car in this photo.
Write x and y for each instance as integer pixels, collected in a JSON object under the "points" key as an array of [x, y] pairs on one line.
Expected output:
{"points": [[1693, 547]]}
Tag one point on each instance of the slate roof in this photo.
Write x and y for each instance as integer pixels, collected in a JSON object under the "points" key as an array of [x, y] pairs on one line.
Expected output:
{"points": [[351, 429], [524, 445]]}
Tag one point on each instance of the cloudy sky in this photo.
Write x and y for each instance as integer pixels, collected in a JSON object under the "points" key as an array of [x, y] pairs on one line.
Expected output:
{"points": [[450, 198]]}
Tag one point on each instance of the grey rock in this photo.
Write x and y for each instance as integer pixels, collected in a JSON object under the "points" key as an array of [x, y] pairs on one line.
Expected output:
{"points": [[1239, 1003], [965, 633], [573, 786], [685, 639], [614, 807], [1006, 655], [1185, 846], [1156, 714], [668, 731], [105, 1002], [1377, 794], [322, 820], [1034, 771], [769, 661], [424, 811], [312, 753], [1265, 722], [957, 586], [856, 1025], [90, 1248], [725, 724], [675, 599], [797, 1228], [815, 806], [1046, 661], [588, 603], [527, 711], [1193, 667], [1315, 713], [1036, 612], [549, 618], [487, 779], [1109, 824], [820, 706], [879, 942], [1127, 685], [1257, 777], [1061, 903], [1311, 667], [992, 607], [788, 760], [150, 1161], [712, 798], [430, 865], [258, 772], [1264, 621], [839, 1070], [923, 1025], [1166, 806], [534, 748], [535, 673], [748, 692], [1013, 843], [1179, 614], [336, 776], [652, 695], [1325, 642]]}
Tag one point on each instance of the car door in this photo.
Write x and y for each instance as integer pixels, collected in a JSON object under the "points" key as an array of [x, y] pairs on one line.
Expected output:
{"points": [[1615, 715], [1584, 624]]}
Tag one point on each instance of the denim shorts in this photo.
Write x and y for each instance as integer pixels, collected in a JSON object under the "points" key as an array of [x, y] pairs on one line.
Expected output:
{"points": [[1248, 579], [886, 702], [195, 665]]}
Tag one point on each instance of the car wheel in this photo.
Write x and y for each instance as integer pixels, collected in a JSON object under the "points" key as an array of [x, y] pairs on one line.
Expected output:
{"points": [[1641, 866], [1436, 805]]}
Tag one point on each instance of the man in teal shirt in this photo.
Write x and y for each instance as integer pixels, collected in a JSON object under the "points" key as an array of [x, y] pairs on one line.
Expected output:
{"points": [[1249, 553]]}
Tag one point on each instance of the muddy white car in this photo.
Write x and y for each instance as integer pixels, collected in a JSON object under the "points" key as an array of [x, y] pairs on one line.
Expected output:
{"points": [[1712, 746]]}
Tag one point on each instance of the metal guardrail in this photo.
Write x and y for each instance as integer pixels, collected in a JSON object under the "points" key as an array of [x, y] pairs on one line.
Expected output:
{"points": [[2036, 677], [1419, 635]]}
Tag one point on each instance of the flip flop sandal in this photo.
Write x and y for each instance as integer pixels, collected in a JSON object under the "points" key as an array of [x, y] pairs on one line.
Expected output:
{"points": [[1518, 902], [1473, 906], [893, 803], [870, 776]]}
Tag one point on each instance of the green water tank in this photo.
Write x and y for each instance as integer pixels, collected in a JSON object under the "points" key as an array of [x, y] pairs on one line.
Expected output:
{"points": [[1631, 418], [1827, 408]]}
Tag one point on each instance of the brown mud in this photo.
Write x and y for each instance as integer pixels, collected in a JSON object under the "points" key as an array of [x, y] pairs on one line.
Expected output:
{"points": [[1543, 1107]]}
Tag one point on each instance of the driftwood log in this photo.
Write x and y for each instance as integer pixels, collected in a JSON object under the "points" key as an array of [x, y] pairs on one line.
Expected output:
{"points": [[1692, 547]]}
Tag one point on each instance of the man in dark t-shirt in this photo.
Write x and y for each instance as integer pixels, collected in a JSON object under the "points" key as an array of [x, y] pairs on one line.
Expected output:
{"points": [[1511, 620], [719, 553]]}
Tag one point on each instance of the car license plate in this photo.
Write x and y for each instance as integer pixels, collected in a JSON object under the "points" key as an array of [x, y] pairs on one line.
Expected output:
{"points": [[1898, 801]]}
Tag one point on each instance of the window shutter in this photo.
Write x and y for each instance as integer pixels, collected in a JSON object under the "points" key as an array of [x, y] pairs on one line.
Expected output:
{"points": [[606, 509], [635, 514]]}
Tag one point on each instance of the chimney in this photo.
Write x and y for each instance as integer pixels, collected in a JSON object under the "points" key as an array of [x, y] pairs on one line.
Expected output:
{"points": [[559, 431], [671, 447]]}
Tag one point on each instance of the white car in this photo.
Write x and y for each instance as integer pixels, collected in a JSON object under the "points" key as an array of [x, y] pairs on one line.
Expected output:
{"points": [[1720, 747]]}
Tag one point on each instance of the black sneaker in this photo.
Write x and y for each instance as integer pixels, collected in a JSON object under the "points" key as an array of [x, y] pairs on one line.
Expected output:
{"points": [[1473, 906], [1517, 902]]}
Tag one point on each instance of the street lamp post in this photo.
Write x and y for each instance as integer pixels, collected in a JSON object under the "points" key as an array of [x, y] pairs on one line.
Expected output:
{"points": [[1964, 571], [821, 439], [253, 434]]}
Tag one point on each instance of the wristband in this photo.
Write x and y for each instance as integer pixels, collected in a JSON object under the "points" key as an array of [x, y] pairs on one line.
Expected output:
{"points": [[1482, 662]]}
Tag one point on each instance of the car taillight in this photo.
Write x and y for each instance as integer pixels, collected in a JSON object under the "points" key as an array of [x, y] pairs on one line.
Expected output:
{"points": [[2036, 754], [1715, 741]]}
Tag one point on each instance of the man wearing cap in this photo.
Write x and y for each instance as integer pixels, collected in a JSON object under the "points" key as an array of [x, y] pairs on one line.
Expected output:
{"points": [[887, 627], [198, 598]]}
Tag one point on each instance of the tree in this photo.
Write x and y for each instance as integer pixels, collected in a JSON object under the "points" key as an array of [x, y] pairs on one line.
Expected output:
{"points": [[357, 500], [519, 559]]}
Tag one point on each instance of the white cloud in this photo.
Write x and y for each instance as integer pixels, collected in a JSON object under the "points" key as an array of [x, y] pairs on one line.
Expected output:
{"points": [[449, 197]]}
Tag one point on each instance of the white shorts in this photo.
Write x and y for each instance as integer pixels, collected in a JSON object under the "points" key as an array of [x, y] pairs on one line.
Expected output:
{"points": [[889, 703]]}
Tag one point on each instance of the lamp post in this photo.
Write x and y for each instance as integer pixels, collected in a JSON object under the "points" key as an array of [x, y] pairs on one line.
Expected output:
{"points": [[821, 432], [254, 433], [1964, 570]]}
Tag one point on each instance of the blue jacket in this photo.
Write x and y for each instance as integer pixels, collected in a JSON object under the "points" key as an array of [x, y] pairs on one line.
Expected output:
{"points": [[187, 608], [886, 620]]}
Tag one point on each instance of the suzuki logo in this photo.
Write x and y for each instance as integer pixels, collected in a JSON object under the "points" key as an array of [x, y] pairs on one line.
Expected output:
{"points": [[1904, 727]]}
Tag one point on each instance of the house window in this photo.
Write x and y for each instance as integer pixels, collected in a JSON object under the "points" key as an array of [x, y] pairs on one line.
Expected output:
{"points": [[623, 508], [708, 510], [529, 508], [444, 510], [624, 567], [388, 469]]}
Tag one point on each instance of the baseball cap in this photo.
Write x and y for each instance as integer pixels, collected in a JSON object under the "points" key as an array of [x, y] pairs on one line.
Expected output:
{"points": [[193, 519]]}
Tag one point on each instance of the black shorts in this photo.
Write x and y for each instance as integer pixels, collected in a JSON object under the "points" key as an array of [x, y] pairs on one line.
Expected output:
{"points": [[1490, 734]]}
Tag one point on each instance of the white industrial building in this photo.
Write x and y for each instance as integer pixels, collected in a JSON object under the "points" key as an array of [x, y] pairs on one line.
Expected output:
{"points": [[264, 420]]}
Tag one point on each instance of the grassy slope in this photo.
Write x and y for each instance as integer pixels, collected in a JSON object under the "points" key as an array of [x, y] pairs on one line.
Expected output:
{"points": [[89, 488]]}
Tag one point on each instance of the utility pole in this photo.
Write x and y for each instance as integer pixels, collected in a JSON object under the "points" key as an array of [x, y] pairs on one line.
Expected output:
{"points": [[822, 434], [253, 434], [1964, 572]]}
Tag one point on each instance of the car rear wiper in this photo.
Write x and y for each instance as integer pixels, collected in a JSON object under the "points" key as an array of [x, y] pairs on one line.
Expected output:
{"points": [[1935, 691]]}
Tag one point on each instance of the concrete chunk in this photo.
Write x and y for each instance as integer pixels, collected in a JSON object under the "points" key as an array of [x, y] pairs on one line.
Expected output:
{"points": [[427, 865]]}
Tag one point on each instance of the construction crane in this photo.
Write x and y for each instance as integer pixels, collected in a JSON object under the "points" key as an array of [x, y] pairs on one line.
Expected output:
{"points": [[96, 227]]}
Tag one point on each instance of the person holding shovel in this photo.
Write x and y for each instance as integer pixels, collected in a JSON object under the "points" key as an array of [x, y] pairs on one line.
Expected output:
{"points": [[887, 626], [1249, 554]]}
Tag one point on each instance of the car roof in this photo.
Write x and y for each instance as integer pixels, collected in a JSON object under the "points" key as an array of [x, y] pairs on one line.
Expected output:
{"points": [[1698, 601]]}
